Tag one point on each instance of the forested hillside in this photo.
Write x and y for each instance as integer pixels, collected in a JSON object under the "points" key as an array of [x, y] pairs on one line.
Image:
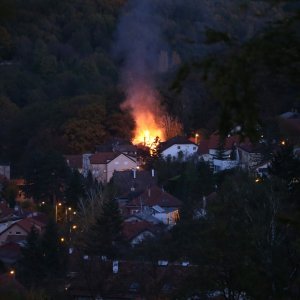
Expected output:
{"points": [[237, 63]]}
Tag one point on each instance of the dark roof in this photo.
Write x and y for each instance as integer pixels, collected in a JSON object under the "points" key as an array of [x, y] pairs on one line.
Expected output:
{"points": [[128, 282], [74, 161], [176, 140], [110, 144], [252, 148], [155, 196], [128, 148], [103, 158], [126, 183]]}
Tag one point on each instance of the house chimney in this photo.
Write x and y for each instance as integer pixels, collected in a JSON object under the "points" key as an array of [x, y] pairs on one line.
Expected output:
{"points": [[152, 173]]}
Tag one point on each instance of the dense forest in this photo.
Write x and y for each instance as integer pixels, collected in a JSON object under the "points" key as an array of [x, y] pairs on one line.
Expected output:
{"points": [[221, 63]]}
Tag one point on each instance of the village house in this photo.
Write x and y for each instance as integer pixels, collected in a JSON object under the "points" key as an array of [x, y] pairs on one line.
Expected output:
{"points": [[158, 203], [18, 230], [178, 147], [135, 232], [220, 155], [104, 164], [131, 183], [231, 153], [250, 156]]}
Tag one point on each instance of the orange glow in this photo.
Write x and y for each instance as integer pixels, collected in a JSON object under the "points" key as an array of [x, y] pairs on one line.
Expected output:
{"points": [[146, 110], [146, 129]]}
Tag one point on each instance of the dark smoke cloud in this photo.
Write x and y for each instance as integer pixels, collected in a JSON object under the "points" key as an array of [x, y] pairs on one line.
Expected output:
{"points": [[139, 42]]}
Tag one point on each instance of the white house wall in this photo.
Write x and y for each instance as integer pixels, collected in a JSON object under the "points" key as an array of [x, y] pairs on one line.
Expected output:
{"points": [[186, 149]]}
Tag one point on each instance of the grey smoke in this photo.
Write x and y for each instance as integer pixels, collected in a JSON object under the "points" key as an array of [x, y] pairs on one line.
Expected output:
{"points": [[139, 42]]}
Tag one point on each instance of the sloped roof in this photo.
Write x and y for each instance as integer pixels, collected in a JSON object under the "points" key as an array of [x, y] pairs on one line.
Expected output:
{"points": [[252, 148], [102, 158], [74, 161], [176, 140], [132, 229], [155, 196], [125, 148], [213, 142], [125, 181], [26, 224]]}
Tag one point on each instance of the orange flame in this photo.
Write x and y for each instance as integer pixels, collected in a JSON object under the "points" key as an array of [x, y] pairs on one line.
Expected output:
{"points": [[146, 111], [147, 129]]}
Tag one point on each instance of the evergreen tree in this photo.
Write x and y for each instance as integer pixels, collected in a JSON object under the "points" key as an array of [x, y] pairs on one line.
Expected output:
{"points": [[75, 189], [31, 270], [54, 254], [105, 233]]}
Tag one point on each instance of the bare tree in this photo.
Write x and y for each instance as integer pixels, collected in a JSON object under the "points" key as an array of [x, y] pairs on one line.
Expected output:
{"points": [[171, 126]]}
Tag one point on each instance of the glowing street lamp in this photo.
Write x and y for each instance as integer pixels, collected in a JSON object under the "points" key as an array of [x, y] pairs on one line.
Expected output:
{"points": [[196, 138]]}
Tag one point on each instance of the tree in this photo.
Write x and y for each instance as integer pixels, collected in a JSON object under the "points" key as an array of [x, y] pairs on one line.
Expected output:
{"points": [[46, 174], [31, 270], [54, 253], [104, 234], [286, 166], [75, 189], [240, 245]]}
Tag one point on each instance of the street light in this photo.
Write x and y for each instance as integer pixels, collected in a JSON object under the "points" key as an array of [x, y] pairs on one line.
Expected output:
{"points": [[196, 138]]}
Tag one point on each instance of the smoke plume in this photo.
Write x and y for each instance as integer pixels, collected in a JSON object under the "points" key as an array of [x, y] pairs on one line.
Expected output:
{"points": [[139, 43]]}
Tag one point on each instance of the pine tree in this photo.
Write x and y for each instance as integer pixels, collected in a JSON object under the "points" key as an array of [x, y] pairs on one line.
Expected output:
{"points": [[105, 233], [31, 270], [53, 252]]}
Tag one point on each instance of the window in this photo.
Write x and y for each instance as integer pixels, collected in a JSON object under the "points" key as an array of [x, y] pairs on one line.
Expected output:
{"points": [[18, 232], [194, 148], [178, 147]]}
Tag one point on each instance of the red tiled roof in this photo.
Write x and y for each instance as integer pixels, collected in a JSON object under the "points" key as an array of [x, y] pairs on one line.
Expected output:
{"points": [[74, 161], [213, 142], [103, 158], [27, 224], [155, 196], [132, 229]]}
